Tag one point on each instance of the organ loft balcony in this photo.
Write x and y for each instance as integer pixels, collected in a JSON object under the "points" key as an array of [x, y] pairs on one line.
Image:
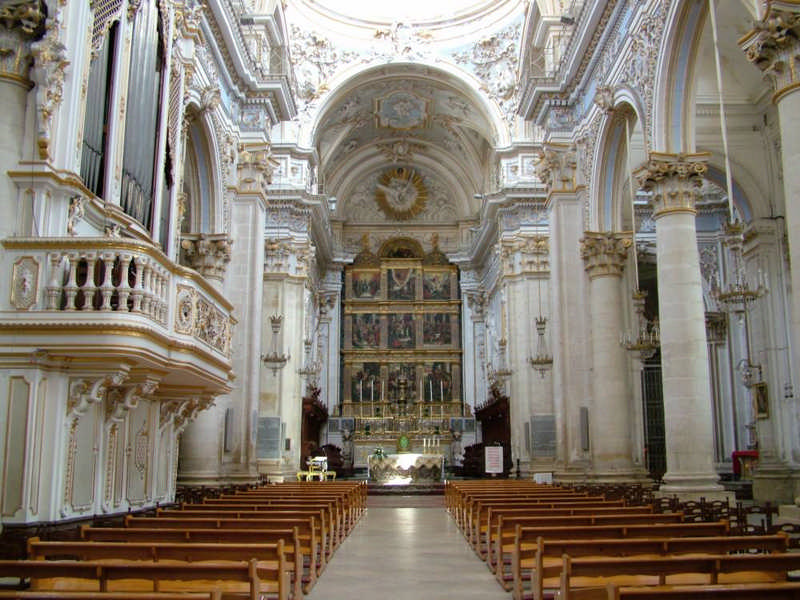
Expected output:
{"points": [[91, 300]]}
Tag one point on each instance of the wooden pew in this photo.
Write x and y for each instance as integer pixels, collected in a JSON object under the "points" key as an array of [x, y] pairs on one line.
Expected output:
{"points": [[258, 579], [326, 536], [307, 549], [49, 595], [477, 513], [502, 524], [473, 505], [524, 553], [309, 527], [634, 571], [333, 511], [587, 520], [327, 514], [738, 591], [266, 550]]}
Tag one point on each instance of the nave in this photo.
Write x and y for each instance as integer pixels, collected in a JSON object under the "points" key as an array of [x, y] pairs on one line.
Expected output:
{"points": [[406, 553]]}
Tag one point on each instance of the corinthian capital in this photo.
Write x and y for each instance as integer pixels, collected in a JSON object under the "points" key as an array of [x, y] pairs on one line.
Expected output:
{"points": [[773, 46], [208, 254], [255, 166], [605, 252], [674, 180], [556, 166]]}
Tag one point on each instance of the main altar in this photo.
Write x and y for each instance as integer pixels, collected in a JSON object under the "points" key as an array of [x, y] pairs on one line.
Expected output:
{"points": [[401, 353]]}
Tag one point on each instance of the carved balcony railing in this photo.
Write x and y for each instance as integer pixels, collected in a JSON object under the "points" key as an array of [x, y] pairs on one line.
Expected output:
{"points": [[73, 281]]}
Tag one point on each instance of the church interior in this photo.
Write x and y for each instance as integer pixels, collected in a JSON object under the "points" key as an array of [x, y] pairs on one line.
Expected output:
{"points": [[249, 242]]}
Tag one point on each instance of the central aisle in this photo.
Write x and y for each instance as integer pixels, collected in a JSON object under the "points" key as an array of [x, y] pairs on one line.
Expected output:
{"points": [[406, 554]]}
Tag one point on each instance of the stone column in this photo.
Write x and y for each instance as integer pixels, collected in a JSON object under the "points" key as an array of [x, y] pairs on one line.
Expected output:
{"points": [[674, 181], [604, 254], [15, 82], [773, 45]]}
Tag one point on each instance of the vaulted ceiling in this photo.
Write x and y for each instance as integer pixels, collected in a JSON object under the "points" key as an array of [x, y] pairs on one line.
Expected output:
{"points": [[410, 116]]}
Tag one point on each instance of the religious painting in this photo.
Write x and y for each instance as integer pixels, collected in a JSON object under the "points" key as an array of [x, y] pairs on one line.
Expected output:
{"points": [[402, 283], [401, 331], [366, 331], [365, 285], [436, 330], [401, 384], [436, 285], [438, 383], [365, 382]]}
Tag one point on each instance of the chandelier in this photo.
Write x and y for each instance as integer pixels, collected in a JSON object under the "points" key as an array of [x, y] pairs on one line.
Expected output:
{"points": [[311, 368], [646, 338], [542, 361], [738, 295], [273, 360]]}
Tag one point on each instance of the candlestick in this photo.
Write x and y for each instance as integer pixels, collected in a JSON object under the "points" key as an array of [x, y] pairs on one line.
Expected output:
{"points": [[361, 391], [430, 388], [383, 385], [372, 390], [441, 390]]}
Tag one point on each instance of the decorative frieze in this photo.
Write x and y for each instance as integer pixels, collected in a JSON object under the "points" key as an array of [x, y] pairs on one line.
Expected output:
{"points": [[773, 45], [605, 252], [198, 317], [674, 180], [207, 253]]}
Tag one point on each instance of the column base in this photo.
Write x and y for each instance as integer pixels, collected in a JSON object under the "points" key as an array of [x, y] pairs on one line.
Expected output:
{"points": [[694, 487], [777, 484]]}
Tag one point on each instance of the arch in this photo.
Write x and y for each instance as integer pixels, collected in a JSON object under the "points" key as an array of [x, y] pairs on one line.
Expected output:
{"points": [[672, 127], [469, 86], [201, 156], [401, 247], [610, 170]]}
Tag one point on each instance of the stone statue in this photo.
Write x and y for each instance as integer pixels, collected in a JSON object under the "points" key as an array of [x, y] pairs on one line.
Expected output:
{"points": [[347, 450], [456, 451]]}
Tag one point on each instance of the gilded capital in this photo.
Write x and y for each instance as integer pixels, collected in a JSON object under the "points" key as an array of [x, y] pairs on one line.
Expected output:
{"points": [[674, 181], [772, 45], [255, 167], [605, 252], [208, 254], [21, 22]]}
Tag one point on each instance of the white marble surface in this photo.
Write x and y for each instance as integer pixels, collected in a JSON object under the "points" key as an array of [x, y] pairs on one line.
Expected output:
{"points": [[406, 554]]}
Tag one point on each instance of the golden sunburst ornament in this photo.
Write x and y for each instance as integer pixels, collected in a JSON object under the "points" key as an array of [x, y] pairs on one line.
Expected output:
{"points": [[400, 193]]}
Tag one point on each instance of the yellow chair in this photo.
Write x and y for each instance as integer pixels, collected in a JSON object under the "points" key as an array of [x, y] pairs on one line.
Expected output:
{"points": [[303, 475]]}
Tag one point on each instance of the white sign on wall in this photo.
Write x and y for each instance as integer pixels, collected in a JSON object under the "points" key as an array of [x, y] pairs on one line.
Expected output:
{"points": [[494, 459]]}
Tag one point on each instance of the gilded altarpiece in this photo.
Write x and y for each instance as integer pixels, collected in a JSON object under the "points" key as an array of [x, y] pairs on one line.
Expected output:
{"points": [[401, 354]]}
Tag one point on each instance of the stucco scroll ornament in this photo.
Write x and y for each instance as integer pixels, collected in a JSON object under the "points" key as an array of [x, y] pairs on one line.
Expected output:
{"points": [[87, 391], [126, 398], [28, 15], [400, 193], [49, 66], [24, 283]]}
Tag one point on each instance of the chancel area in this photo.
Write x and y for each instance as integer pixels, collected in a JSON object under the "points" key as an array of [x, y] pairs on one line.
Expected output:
{"points": [[557, 236]]}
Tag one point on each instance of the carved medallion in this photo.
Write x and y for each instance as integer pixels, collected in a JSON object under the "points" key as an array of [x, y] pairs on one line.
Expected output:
{"points": [[401, 194], [24, 283]]}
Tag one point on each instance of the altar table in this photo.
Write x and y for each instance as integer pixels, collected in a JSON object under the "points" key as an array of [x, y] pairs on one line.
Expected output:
{"points": [[405, 468]]}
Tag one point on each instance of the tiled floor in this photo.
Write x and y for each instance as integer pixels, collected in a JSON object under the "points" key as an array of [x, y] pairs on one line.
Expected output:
{"points": [[408, 553]]}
